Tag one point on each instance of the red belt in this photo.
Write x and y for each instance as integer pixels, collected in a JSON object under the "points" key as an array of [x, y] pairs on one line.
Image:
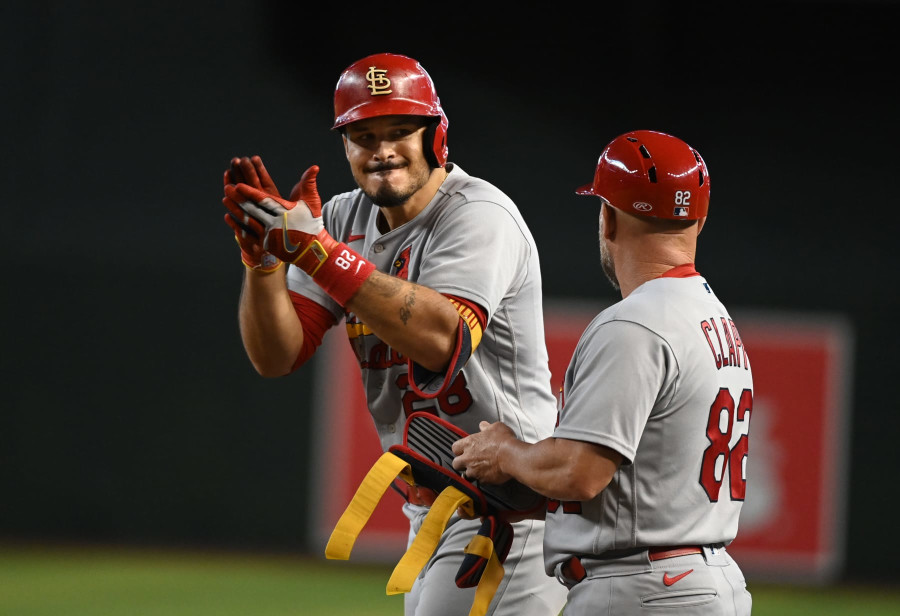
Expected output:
{"points": [[662, 553], [573, 570]]}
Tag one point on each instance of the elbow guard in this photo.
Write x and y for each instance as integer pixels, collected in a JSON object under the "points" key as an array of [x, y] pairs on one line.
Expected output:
{"points": [[429, 384]]}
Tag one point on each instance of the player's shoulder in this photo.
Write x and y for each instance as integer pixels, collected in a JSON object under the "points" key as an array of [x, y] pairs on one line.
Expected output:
{"points": [[642, 307], [664, 304], [614, 331], [473, 199], [464, 189]]}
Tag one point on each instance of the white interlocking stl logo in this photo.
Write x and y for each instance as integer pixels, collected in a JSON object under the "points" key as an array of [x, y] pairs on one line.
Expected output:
{"points": [[378, 83], [640, 206]]}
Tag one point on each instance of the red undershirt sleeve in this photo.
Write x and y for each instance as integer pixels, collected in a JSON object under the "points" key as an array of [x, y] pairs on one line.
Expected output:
{"points": [[316, 320]]}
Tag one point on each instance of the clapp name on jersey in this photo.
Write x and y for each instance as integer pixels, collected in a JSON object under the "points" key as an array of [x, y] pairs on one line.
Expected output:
{"points": [[723, 327]]}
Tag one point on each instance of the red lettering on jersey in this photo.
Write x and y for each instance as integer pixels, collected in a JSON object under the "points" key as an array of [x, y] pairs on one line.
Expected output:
{"points": [[719, 436], [706, 327], [741, 349], [732, 360], [454, 400], [738, 346], [382, 357], [719, 338], [737, 353], [737, 458], [718, 459]]}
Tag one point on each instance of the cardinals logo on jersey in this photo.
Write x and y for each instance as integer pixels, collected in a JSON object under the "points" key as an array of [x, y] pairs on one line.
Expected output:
{"points": [[401, 264]]}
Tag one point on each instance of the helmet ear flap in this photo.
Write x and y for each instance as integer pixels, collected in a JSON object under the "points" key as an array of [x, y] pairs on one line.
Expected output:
{"points": [[428, 143], [434, 142]]}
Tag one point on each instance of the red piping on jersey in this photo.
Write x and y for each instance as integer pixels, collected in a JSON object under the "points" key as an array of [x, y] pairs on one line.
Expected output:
{"points": [[682, 271]]}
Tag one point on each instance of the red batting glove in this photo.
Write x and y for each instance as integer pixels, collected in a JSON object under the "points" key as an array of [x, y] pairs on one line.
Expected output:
{"points": [[248, 235], [252, 172], [294, 232]]}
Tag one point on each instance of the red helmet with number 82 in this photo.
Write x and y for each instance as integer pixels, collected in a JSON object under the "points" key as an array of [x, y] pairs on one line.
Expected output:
{"points": [[649, 173], [391, 84]]}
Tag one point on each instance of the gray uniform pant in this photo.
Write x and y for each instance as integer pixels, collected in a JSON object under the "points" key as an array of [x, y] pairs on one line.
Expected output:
{"points": [[707, 583], [526, 589]]}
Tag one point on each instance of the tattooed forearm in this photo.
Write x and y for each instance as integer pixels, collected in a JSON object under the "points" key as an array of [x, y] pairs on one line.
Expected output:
{"points": [[384, 285], [388, 286], [405, 312]]}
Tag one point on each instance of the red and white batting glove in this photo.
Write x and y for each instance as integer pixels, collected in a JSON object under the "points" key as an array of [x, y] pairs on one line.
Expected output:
{"points": [[250, 171], [294, 232]]}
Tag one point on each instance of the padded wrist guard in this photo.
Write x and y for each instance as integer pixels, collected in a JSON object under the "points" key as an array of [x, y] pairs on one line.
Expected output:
{"points": [[340, 271]]}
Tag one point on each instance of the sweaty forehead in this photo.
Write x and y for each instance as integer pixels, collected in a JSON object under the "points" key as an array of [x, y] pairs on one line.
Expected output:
{"points": [[388, 121]]}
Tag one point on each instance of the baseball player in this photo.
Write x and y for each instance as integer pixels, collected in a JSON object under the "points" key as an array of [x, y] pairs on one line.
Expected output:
{"points": [[437, 279], [646, 469]]}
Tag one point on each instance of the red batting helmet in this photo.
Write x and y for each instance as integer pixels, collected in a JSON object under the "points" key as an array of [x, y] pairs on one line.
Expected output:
{"points": [[652, 174], [391, 84]]}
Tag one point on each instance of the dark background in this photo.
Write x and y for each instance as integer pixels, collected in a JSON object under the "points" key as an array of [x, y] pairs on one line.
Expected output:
{"points": [[130, 413]]}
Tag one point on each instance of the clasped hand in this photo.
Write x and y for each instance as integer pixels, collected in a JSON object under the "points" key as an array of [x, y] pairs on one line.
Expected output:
{"points": [[287, 228]]}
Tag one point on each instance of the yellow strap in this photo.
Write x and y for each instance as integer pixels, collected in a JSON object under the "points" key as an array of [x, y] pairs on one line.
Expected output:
{"points": [[360, 509], [426, 539], [471, 320], [490, 578]]}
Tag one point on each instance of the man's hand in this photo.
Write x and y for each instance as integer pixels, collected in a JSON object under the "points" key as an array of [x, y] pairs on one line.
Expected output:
{"points": [[252, 172], [291, 230], [478, 455]]}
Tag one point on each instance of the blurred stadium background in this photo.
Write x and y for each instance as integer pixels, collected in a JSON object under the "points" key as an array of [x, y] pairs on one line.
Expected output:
{"points": [[146, 469]]}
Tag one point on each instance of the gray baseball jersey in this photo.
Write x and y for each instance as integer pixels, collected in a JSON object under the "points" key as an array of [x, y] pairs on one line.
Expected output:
{"points": [[470, 242], [663, 378]]}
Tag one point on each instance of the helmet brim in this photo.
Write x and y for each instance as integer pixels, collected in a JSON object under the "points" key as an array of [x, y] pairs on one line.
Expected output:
{"points": [[371, 109], [587, 189]]}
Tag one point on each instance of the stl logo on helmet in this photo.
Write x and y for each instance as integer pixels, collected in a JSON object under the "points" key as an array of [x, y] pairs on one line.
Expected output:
{"points": [[378, 82]]}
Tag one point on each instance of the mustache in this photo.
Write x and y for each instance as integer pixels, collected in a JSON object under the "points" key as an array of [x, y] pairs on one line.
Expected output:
{"points": [[384, 166]]}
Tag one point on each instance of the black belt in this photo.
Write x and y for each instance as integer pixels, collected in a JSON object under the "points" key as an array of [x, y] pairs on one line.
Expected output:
{"points": [[570, 572]]}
